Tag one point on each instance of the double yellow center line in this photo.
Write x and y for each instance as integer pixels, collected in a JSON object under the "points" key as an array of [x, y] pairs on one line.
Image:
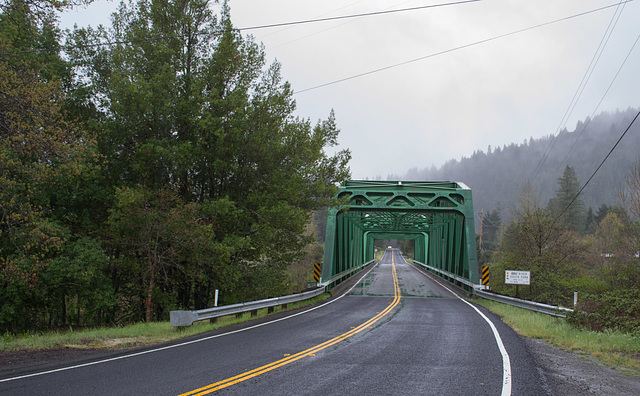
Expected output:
{"points": [[308, 352]]}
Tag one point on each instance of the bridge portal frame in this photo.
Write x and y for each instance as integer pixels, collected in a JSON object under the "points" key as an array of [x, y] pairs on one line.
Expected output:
{"points": [[438, 216]]}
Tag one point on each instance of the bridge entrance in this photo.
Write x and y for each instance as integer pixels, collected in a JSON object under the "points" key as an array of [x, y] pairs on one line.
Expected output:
{"points": [[438, 216]]}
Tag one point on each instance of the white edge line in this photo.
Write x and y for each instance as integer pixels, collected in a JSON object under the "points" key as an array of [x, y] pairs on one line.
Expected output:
{"points": [[177, 345], [506, 362]]}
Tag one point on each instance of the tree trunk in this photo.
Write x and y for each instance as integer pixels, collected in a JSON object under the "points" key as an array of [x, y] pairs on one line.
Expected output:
{"points": [[147, 315]]}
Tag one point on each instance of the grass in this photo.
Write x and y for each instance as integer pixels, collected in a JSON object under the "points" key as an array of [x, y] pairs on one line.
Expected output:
{"points": [[615, 349], [129, 336]]}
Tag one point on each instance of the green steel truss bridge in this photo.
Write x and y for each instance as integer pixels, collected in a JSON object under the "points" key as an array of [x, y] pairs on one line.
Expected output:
{"points": [[438, 216]]}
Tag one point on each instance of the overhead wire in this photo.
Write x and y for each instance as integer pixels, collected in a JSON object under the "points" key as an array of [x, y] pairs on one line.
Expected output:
{"points": [[321, 15], [248, 28], [327, 29], [580, 89], [586, 124], [366, 14], [458, 48], [617, 142], [596, 171]]}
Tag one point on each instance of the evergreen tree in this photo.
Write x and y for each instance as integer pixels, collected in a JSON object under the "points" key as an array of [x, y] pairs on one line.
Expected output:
{"points": [[566, 205], [41, 152], [491, 223], [590, 222], [188, 105]]}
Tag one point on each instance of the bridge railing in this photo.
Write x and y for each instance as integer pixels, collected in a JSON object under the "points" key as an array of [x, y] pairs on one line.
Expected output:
{"points": [[345, 275], [449, 275], [479, 290], [187, 318], [530, 305]]}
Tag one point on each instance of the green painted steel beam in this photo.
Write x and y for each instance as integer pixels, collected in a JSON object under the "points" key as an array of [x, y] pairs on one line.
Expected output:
{"points": [[437, 215]]}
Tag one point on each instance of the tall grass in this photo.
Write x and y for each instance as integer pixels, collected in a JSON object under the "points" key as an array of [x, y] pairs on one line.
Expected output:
{"points": [[134, 335], [613, 348]]}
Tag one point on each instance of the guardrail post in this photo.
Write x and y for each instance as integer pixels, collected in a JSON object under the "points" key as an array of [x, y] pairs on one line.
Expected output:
{"points": [[187, 318]]}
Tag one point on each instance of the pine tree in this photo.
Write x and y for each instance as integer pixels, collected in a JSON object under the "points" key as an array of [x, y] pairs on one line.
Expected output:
{"points": [[566, 206]]}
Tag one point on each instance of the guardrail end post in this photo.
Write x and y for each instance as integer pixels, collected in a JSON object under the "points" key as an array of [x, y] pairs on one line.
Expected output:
{"points": [[182, 318]]}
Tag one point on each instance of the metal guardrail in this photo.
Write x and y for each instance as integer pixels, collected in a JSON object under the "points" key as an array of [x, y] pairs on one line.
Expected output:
{"points": [[187, 318], [346, 274], [530, 305], [479, 290], [449, 275]]}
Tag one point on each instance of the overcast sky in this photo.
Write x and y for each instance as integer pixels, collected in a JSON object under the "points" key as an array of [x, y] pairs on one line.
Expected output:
{"points": [[422, 113]]}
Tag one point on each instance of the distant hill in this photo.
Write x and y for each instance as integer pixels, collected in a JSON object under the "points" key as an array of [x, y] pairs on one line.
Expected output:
{"points": [[498, 176]]}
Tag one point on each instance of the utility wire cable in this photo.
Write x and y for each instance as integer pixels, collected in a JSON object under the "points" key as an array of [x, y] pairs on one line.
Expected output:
{"points": [[460, 47], [596, 171], [323, 30], [109, 43], [586, 124], [366, 14], [614, 146], [579, 89], [322, 15]]}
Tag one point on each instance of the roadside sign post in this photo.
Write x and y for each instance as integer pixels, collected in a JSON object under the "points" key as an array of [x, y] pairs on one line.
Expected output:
{"points": [[517, 278]]}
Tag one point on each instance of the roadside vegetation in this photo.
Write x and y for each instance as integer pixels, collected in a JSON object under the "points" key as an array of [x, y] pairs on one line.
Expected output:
{"points": [[569, 248], [614, 348], [147, 164], [131, 335]]}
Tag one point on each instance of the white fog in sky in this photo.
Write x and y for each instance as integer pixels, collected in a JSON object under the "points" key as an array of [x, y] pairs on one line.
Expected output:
{"points": [[459, 97]]}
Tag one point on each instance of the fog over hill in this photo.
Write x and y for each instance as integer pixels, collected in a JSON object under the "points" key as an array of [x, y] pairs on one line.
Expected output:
{"points": [[498, 174]]}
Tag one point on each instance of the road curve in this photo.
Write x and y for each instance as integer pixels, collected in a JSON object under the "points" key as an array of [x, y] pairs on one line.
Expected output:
{"points": [[396, 332]]}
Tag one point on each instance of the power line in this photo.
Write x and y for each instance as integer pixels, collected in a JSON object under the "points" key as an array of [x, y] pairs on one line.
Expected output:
{"points": [[358, 15], [459, 48], [597, 169], [323, 30], [302, 22], [600, 102], [580, 88]]}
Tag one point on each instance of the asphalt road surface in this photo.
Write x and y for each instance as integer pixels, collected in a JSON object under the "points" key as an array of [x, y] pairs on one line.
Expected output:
{"points": [[396, 332]]}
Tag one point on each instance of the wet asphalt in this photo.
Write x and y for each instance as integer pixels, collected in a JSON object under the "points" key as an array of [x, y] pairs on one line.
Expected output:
{"points": [[372, 341]]}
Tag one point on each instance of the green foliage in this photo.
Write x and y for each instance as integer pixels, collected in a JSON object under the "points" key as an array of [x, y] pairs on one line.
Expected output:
{"points": [[612, 310], [39, 151], [491, 227], [139, 177], [565, 205], [534, 242], [497, 176], [77, 286]]}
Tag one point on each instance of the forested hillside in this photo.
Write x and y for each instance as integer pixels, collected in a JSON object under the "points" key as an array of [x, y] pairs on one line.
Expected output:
{"points": [[145, 164], [534, 218], [498, 175]]}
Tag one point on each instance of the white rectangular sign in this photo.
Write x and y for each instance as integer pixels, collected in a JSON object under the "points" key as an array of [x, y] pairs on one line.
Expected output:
{"points": [[517, 277]]}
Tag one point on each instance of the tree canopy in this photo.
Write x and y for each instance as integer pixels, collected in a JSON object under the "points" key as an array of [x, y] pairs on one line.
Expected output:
{"points": [[165, 149]]}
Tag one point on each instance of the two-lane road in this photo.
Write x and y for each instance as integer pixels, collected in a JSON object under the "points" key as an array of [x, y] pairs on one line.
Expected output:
{"points": [[396, 332]]}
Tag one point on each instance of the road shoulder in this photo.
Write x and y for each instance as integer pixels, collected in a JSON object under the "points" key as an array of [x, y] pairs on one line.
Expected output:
{"points": [[570, 373]]}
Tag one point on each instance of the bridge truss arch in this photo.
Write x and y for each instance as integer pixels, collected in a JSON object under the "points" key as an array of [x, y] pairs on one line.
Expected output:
{"points": [[438, 216]]}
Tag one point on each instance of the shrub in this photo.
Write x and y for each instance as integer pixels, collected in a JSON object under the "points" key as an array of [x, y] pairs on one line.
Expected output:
{"points": [[613, 310]]}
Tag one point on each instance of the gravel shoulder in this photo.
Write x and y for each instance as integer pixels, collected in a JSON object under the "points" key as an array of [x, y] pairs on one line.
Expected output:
{"points": [[570, 373]]}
